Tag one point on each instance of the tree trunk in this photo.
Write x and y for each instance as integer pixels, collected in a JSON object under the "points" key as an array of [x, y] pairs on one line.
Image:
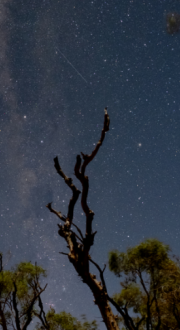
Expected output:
{"points": [[4, 326], [79, 245]]}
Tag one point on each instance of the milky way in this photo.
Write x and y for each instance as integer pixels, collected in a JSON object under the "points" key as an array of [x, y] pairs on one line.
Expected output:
{"points": [[62, 62]]}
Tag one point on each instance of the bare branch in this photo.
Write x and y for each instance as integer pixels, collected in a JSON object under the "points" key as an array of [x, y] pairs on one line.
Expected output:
{"points": [[75, 191], [79, 253], [139, 322], [100, 271], [104, 268], [80, 174], [1, 266], [158, 312], [59, 214], [78, 230], [15, 307], [76, 235], [142, 283], [42, 315], [29, 310], [127, 319], [88, 158]]}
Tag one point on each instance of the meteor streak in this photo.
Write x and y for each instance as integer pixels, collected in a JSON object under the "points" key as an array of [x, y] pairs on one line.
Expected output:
{"points": [[72, 65]]}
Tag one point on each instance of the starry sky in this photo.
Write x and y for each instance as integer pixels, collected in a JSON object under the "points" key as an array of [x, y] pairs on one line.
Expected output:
{"points": [[61, 63]]}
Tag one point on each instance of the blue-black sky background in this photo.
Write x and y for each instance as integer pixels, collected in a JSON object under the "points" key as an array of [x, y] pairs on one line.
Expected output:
{"points": [[61, 63]]}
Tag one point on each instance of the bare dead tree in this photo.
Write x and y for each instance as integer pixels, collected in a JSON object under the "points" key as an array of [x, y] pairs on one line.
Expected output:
{"points": [[79, 245]]}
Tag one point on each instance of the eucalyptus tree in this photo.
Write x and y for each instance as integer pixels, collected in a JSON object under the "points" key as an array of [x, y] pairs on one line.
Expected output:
{"points": [[20, 291], [150, 290], [21, 303]]}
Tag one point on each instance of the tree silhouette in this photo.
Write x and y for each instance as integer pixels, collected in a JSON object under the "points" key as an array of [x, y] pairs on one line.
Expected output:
{"points": [[79, 245], [156, 303], [151, 285], [20, 290], [20, 302]]}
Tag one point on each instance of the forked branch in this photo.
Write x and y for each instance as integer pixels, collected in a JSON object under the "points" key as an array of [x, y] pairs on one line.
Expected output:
{"points": [[79, 246]]}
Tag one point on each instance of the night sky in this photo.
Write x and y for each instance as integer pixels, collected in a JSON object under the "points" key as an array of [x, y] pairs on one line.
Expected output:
{"points": [[61, 63]]}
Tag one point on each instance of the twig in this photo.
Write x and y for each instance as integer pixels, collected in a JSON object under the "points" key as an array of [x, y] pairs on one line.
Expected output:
{"points": [[59, 214], [78, 230], [100, 271], [76, 235]]}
